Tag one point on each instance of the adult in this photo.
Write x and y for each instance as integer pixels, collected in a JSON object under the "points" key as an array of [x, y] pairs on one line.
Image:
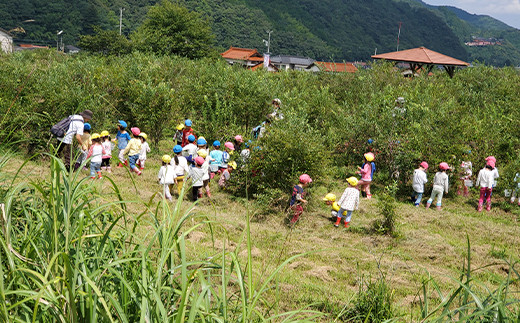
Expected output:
{"points": [[277, 113], [75, 130]]}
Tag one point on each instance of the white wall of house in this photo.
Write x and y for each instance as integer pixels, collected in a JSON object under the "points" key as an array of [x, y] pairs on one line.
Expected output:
{"points": [[6, 42]]}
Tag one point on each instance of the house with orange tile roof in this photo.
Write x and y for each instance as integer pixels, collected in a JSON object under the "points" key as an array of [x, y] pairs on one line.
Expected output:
{"points": [[332, 67], [243, 56]]}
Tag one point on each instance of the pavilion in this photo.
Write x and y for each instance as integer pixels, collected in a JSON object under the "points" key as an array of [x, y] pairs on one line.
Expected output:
{"points": [[423, 57]]}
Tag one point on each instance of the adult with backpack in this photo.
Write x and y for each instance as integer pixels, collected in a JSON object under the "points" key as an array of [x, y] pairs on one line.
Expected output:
{"points": [[66, 130]]}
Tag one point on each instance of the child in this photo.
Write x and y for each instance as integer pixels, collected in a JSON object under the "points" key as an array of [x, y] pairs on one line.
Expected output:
{"points": [[516, 189], [246, 152], [486, 179], [180, 165], [186, 132], [178, 134], [226, 154], [201, 143], [467, 171], [190, 150], [205, 167], [86, 142], [419, 179], [297, 199], [349, 201], [440, 185], [215, 160], [495, 170], [132, 149], [107, 146], [330, 199], [226, 174], [145, 148], [238, 142], [96, 151], [166, 176], [122, 138], [196, 174], [367, 173]]}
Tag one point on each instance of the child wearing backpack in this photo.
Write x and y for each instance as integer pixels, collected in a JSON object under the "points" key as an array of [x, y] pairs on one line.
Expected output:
{"points": [[107, 146], [96, 151], [132, 149], [297, 201], [177, 137], [122, 138], [166, 176], [145, 148], [181, 167], [366, 171], [215, 158]]}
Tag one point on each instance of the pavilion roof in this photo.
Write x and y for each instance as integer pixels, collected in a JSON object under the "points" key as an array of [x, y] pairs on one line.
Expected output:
{"points": [[421, 55]]}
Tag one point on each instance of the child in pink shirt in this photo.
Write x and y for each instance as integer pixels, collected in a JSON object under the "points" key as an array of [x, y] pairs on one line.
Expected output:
{"points": [[367, 173]]}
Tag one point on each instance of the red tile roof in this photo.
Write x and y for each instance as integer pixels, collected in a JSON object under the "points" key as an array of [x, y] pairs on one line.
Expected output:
{"points": [[243, 54], [336, 67], [421, 55]]}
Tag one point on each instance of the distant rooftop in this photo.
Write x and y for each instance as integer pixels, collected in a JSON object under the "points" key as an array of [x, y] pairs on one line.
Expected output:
{"points": [[287, 59], [421, 55], [243, 54]]}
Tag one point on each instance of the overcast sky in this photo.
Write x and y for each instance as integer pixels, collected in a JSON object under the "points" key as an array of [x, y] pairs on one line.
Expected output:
{"points": [[507, 11]]}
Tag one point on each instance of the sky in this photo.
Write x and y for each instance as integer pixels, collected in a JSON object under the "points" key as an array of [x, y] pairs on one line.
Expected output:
{"points": [[507, 11]]}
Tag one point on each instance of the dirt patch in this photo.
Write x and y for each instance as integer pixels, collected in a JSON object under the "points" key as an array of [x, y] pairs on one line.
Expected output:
{"points": [[321, 272], [196, 236]]}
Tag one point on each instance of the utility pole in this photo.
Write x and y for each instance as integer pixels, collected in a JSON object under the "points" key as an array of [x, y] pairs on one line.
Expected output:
{"points": [[121, 20], [398, 35], [269, 41]]}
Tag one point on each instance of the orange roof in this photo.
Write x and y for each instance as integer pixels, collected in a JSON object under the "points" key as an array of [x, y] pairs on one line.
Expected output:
{"points": [[243, 54], [421, 55], [337, 67], [32, 46]]}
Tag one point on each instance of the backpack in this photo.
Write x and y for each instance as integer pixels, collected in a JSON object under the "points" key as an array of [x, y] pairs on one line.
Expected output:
{"points": [[59, 130], [256, 131], [373, 167]]}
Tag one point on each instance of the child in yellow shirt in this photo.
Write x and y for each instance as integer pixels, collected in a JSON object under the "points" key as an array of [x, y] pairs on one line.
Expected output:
{"points": [[133, 149]]}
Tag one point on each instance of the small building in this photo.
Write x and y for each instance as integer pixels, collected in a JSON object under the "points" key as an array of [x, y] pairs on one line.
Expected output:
{"points": [[243, 56], [6, 41], [286, 62], [69, 49], [332, 67], [29, 47]]}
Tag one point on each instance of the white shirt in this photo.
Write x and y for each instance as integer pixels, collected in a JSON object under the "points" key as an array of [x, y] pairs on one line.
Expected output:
{"points": [[166, 175], [350, 199], [419, 179], [75, 128], [486, 178], [182, 168], [189, 150], [196, 175], [144, 149]]}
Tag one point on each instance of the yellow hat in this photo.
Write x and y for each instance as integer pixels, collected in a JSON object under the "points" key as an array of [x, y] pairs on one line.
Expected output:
{"points": [[369, 157], [95, 136], [202, 153], [167, 159], [142, 134], [352, 181], [330, 197], [232, 164], [104, 133], [180, 126]]}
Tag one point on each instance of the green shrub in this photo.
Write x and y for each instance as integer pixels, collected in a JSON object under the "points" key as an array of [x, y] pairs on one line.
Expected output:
{"points": [[387, 207]]}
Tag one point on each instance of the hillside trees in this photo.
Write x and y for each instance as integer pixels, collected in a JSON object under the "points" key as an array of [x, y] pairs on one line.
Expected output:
{"points": [[106, 42], [172, 29]]}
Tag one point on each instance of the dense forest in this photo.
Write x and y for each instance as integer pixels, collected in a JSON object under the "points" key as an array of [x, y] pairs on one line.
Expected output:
{"points": [[353, 30]]}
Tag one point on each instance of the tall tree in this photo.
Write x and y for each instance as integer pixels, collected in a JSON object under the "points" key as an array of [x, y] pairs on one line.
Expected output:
{"points": [[170, 28]]}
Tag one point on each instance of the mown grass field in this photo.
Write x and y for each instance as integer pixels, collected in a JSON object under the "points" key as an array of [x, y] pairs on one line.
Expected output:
{"points": [[336, 260]]}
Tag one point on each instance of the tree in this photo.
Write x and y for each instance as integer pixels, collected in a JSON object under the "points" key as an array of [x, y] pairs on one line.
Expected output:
{"points": [[106, 42], [170, 28]]}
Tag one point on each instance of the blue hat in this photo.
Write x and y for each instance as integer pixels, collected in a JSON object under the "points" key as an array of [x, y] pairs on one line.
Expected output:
{"points": [[177, 149], [370, 140], [216, 143], [122, 123], [248, 143], [86, 126], [191, 138], [201, 142], [187, 123]]}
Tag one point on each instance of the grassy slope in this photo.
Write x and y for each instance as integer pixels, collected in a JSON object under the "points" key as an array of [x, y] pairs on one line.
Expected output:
{"points": [[429, 240]]}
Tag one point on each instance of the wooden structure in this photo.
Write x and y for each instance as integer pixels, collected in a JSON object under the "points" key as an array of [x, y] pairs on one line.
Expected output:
{"points": [[423, 58]]}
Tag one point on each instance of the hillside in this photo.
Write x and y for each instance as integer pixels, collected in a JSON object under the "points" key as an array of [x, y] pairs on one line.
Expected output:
{"points": [[326, 30]]}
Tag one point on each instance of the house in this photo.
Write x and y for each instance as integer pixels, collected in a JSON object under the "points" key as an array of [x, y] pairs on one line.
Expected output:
{"points": [[243, 56], [69, 49], [332, 67], [6, 41], [286, 62]]}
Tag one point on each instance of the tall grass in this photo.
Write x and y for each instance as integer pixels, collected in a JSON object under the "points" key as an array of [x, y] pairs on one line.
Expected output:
{"points": [[68, 256]]}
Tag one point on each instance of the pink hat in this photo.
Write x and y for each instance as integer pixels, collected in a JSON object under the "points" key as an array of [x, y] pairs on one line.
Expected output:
{"points": [[135, 131], [199, 160], [491, 158], [229, 145], [491, 163], [238, 138], [305, 179], [424, 165], [444, 166]]}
